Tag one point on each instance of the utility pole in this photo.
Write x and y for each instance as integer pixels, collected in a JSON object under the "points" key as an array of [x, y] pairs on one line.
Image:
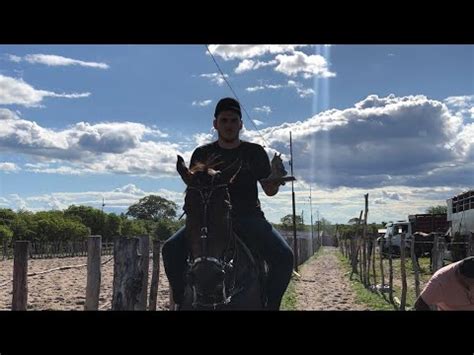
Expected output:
{"points": [[319, 234], [295, 241], [311, 210]]}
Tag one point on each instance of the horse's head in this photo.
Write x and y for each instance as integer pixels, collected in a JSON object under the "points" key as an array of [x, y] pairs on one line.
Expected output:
{"points": [[209, 234]]}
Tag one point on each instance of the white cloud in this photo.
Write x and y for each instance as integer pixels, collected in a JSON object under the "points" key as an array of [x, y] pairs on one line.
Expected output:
{"points": [[462, 106], [8, 167], [215, 78], [244, 66], [36, 165], [112, 147], [16, 91], [460, 101], [380, 201], [62, 170], [6, 114], [299, 62], [16, 202], [258, 123], [203, 138], [385, 141], [56, 60], [302, 92], [391, 195], [239, 51], [255, 88], [248, 64], [117, 200], [378, 143], [305, 92], [130, 189], [342, 203], [14, 58], [264, 109], [202, 103]]}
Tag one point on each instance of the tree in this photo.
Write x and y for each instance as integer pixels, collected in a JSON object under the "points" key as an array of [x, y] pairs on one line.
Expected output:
{"points": [[166, 228], [7, 216], [24, 226], [287, 222], [325, 226], [74, 230], [54, 226], [5, 233], [113, 226], [89, 216], [132, 227], [437, 209], [153, 208]]}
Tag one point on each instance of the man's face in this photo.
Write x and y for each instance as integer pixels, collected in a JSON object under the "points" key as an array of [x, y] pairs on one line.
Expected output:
{"points": [[228, 124]]}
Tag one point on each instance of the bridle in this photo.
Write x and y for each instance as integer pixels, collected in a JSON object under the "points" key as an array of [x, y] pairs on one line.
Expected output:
{"points": [[225, 263]]}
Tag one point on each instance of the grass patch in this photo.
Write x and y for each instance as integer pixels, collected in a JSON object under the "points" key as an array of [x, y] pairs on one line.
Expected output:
{"points": [[288, 302], [424, 276], [373, 301]]}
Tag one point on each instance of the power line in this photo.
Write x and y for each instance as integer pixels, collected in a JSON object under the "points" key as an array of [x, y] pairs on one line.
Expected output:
{"points": [[230, 86]]}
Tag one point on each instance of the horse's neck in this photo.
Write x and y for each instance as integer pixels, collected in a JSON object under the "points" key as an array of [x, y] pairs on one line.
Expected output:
{"points": [[245, 263]]}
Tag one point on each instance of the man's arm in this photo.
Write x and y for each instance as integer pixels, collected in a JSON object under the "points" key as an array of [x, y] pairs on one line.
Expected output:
{"points": [[270, 187]]}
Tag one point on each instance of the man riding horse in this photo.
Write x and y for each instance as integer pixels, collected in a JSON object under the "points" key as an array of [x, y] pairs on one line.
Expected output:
{"points": [[248, 220]]}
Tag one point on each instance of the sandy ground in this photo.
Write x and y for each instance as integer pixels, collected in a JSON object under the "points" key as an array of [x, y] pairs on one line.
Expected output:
{"points": [[66, 289], [323, 285]]}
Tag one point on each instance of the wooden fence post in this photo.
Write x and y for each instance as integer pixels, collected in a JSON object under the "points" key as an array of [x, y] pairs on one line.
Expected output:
{"points": [[390, 269], [403, 272], [373, 260], [364, 233], [415, 267], [364, 258], [382, 276], [355, 246], [94, 245], [437, 261], [20, 276], [128, 275], [155, 275], [144, 249]]}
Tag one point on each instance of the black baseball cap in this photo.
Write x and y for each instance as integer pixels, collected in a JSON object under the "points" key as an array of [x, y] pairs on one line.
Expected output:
{"points": [[227, 103]]}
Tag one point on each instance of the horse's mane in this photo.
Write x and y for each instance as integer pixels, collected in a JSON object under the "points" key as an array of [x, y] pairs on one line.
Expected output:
{"points": [[206, 166]]}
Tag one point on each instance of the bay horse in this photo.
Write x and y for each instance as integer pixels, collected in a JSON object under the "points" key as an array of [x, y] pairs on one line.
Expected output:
{"points": [[222, 273]]}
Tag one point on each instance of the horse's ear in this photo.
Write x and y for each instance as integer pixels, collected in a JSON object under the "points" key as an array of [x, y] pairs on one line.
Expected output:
{"points": [[228, 174], [183, 170]]}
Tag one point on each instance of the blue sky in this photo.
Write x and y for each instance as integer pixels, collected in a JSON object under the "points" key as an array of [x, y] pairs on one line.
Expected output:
{"points": [[81, 123]]}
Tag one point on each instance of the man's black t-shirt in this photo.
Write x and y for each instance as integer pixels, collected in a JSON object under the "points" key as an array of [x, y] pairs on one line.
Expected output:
{"points": [[255, 166]]}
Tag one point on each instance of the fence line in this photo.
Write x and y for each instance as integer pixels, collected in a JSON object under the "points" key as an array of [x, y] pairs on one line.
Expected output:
{"points": [[349, 246], [49, 250], [124, 297]]}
